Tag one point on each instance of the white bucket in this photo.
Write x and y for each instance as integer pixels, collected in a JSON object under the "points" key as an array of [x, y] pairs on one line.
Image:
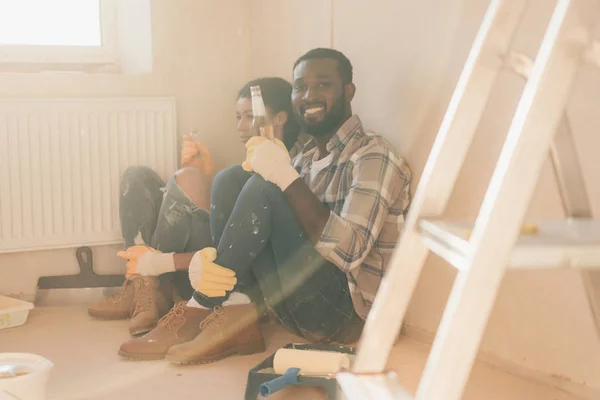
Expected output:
{"points": [[30, 386]]}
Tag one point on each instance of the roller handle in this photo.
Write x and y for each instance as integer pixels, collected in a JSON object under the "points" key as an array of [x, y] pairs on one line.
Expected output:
{"points": [[289, 378]]}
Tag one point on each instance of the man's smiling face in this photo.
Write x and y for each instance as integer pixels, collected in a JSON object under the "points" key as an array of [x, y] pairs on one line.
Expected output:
{"points": [[319, 96]]}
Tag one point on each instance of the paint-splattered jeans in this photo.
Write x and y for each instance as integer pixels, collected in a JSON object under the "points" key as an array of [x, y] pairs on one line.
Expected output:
{"points": [[165, 216], [258, 236]]}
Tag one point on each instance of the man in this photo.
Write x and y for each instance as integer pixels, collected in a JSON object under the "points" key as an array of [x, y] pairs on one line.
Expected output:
{"points": [[327, 223]]}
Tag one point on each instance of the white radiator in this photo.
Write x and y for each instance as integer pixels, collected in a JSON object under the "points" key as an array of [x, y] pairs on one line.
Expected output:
{"points": [[61, 162]]}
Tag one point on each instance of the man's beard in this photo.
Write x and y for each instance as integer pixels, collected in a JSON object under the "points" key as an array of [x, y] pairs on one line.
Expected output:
{"points": [[331, 122]]}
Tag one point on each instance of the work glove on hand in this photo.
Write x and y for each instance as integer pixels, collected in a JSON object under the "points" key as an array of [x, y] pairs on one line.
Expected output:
{"points": [[208, 278], [271, 160], [195, 154], [146, 261]]}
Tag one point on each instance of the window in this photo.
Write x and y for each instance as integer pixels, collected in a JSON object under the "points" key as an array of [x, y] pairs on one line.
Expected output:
{"points": [[57, 31]]}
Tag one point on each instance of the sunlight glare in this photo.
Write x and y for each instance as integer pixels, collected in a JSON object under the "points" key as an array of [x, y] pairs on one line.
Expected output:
{"points": [[50, 22]]}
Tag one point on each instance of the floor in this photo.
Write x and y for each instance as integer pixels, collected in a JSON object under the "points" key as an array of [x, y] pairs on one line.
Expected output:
{"points": [[87, 366]]}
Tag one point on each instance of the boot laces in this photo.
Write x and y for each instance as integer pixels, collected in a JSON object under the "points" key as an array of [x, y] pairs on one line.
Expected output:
{"points": [[144, 296], [116, 297], [214, 319], [174, 316]]}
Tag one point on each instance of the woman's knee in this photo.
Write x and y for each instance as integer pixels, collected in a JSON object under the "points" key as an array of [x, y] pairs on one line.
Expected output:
{"points": [[138, 173], [196, 185], [140, 180]]}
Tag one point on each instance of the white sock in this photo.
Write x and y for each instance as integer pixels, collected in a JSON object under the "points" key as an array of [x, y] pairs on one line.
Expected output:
{"points": [[194, 304], [235, 298], [138, 241]]}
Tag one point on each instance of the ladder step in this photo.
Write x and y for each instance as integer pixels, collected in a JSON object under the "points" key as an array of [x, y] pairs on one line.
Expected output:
{"points": [[571, 243], [592, 56], [521, 64], [380, 386]]}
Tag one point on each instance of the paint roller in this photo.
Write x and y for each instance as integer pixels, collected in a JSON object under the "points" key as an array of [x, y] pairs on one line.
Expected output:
{"points": [[290, 363]]}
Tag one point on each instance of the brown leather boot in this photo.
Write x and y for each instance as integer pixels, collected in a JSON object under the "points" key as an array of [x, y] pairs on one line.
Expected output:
{"points": [[180, 325], [226, 331], [151, 302], [117, 306]]}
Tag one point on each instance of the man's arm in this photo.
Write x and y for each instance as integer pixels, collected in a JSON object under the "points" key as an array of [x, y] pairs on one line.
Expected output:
{"points": [[379, 179], [312, 214], [182, 260]]}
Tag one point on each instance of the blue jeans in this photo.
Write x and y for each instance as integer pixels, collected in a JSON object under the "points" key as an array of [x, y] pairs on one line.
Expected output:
{"points": [[165, 216], [259, 237]]}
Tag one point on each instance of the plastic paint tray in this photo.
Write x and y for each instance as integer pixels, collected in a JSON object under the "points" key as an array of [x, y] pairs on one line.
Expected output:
{"points": [[13, 312], [264, 372]]}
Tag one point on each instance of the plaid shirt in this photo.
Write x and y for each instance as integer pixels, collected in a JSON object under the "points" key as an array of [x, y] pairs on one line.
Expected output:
{"points": [[298, 146], [367, 188]]}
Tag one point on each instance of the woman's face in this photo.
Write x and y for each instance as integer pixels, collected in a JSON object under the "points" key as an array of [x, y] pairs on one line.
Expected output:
{"points": [[244, 116]]}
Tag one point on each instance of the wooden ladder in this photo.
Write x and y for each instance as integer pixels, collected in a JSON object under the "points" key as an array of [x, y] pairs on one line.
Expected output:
{"points": [[482, 251]]}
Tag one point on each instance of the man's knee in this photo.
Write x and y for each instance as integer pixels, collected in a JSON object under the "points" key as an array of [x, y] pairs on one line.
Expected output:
{"points": [[257, 182], [231, 175], [229, 183], [257, 189], [195, 184]]}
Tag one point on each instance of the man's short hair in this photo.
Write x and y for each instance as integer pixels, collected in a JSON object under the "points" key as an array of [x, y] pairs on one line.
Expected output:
{"points": [[344, 65]]}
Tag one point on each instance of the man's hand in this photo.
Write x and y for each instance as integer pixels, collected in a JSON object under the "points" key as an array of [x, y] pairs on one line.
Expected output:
{"points": [[146, 261], [208, 278], [271, 160], [251, 146], [195, 154]]}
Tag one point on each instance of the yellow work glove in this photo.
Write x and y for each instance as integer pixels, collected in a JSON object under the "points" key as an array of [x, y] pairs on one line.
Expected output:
{"points": [[208, 278], [146, 261], [251, 146], [271, 160], [195, 154]]}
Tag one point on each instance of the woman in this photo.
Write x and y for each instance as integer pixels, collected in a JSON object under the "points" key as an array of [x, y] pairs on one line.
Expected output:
{"points": [[172, 219]]}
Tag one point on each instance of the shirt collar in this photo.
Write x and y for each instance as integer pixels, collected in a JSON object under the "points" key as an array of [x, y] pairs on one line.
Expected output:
{"points": [[342, 137]]}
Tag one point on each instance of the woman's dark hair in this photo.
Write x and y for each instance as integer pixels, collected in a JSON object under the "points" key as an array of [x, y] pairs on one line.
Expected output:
{"points": [[277, 95]]}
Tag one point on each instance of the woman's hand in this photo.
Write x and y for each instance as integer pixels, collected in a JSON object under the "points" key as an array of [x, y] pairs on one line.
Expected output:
{"points": [[146, 261], [195, 154]]}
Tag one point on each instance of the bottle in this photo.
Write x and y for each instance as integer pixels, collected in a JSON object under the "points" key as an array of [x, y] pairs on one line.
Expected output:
{"points": [[194, 135], [260, 123]]}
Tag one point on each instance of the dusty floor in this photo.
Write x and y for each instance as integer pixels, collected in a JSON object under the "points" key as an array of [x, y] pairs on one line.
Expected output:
{"points": [[87, 366]]}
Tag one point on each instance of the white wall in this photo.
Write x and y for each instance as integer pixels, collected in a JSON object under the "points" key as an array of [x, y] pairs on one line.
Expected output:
{"points": [[398, 50], [281, 32]]}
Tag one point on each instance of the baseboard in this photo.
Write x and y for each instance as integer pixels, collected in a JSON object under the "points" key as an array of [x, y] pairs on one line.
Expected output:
{"points": [[561, 383]]}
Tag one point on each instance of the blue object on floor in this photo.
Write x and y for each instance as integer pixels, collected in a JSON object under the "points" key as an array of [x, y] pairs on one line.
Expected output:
{"points": [[289, 378], [264, 373]]}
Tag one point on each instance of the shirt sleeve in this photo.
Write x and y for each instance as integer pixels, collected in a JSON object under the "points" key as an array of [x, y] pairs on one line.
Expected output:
{"points": [[378, 179]]}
